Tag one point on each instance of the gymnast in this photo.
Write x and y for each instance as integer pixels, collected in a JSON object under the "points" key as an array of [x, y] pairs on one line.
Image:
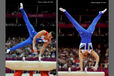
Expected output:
{"points": [[85, 46], [34, 36]]}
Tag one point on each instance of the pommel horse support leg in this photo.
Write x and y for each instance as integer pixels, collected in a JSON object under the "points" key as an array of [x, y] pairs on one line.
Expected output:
{"points": [[19, 73], [63, 73], [44, 73], [20, 66]]}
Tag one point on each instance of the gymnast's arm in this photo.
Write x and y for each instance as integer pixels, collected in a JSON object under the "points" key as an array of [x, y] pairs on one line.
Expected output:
{"points": [[94, 54], [44, 46], [24, 14], [91, 28], [81, 60], [39, 34]]}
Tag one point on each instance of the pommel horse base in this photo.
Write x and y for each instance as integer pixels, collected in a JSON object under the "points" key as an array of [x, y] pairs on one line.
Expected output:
{"points": [[42, 66], [64, 73]]}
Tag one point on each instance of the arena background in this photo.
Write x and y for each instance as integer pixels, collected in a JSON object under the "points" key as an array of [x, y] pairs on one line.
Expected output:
{"points": [[42, 15], [84, 11]]}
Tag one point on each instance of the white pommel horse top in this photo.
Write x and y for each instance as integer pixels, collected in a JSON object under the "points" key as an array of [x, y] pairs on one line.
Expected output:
{"points": [[31, 65], [66, 73]]}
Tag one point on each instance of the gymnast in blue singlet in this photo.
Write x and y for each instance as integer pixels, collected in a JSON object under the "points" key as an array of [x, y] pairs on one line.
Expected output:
{"points": [[41, 36], [85, 46]]}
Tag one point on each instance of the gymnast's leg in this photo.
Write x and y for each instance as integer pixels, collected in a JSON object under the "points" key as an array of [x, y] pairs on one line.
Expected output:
{"points": [[96, 19], [20, 45], [73, 21], [28, 24]]}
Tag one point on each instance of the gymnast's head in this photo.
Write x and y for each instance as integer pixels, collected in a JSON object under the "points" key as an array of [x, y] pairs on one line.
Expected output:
{"points": [[48, 35]]}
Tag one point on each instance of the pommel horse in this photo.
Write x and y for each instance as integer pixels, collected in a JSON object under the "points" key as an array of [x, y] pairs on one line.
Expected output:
{"points": [[19, 66]]}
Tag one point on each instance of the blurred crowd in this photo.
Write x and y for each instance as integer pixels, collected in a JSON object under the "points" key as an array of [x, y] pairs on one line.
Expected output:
{"points": [[68, 57], [27, 51]]}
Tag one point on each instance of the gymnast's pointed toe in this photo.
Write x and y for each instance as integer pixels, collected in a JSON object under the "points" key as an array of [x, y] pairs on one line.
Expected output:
{"points": [[8, 50]]}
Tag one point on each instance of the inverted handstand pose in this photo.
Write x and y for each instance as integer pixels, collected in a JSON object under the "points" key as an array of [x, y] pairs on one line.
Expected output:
{"points": [[85, 45], [34, 36]]}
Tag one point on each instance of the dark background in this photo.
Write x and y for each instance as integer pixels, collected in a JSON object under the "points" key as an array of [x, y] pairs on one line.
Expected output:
{"points": [[15, 22]]}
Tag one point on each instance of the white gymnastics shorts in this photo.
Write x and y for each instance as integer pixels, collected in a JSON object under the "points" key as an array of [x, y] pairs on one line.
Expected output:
{"points": [[84, 47]]}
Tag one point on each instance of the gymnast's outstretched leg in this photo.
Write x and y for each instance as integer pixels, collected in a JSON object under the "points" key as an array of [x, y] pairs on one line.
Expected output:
{"points": [[20, 45], [73, 21], [91, 28], [30, 29], [28, 24]]}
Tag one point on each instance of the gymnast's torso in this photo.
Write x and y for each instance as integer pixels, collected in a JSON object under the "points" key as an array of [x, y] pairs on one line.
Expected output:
{"points": [[86, 44], [41, 39], [85, 37]]}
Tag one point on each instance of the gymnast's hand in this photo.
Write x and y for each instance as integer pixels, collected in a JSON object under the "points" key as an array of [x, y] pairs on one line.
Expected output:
{"points": [[35, 49], [21, 5], [95, 67], [62, 10]]}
